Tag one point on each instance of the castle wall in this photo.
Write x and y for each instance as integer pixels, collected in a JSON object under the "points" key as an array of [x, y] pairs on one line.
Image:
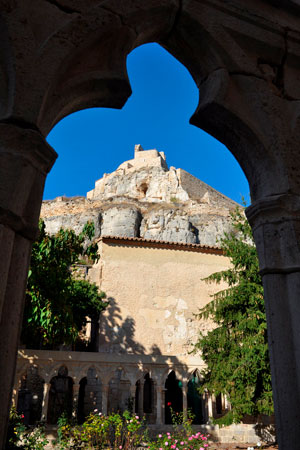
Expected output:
{"points": [[201, 191]]}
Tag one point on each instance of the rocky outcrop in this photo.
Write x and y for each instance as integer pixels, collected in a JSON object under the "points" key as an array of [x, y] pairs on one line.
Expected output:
{"points": [[143, 198], [168, 225], [120, 221]]}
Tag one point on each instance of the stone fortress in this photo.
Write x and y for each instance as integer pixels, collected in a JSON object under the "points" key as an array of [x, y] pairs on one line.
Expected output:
{"points": [[143, 198], [157, 231]]}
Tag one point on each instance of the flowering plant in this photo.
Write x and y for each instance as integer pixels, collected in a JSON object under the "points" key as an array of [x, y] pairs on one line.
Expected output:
{"points": [[19, 436], [182, 437], [197, 441], [118, 432]]}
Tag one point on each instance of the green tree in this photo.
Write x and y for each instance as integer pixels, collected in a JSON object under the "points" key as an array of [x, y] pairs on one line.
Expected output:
{"points": [[236, 350], [57, 303]]}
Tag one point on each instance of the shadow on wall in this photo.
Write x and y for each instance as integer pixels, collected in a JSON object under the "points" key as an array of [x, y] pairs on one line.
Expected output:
{"points": [[117, 335]]}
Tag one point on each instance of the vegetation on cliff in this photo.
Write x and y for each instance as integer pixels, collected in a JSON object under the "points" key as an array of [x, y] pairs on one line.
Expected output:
{"points": [[236, 350], [57, 303]]}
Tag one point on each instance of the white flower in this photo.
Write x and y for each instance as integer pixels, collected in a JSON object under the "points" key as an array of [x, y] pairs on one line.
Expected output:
{"points": [[250, 448], [95, 410], [258, 444]]}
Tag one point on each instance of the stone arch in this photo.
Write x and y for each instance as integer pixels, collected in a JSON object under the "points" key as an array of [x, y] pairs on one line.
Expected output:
{"points": [[80, 79], [84, 371], [60, 396], [173, 396], [119, 395], [244, 61], [30, 395], [195, 401], [90, 394]]}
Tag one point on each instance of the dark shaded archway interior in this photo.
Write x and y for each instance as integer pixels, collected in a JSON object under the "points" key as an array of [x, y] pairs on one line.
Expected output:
{"points": [[173, 397]]}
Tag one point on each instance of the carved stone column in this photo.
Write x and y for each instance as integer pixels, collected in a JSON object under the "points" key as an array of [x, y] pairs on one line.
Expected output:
{"points": [[210, 412], [25, 159], [76, 388], [184, 398], [45, 401], [159, 402], [276, 226], [105, 389], [141, 399], [132, 395]]}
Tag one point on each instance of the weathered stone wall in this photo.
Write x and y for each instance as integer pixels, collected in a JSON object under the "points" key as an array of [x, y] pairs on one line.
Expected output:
{"points": [[153, 293]]}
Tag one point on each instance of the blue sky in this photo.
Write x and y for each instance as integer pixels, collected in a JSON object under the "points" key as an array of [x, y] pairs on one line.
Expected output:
{"points": [[164, 96]]}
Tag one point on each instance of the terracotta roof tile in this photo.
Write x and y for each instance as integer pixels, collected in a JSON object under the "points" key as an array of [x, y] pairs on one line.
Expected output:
{"points": [[162, 244]]}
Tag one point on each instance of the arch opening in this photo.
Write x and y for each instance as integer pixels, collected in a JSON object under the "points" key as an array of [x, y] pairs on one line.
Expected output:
{"points": [[60, 396], [173, 397]]}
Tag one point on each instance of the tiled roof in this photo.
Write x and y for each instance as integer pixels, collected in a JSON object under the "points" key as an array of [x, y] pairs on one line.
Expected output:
{"points": [[142, 242]]}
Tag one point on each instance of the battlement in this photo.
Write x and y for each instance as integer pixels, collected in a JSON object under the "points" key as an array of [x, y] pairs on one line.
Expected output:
{"points": [[145, 158]]}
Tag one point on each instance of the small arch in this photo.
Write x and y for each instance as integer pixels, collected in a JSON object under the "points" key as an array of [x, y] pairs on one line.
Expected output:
{"points": [[60, 396], [30, 396], [195, 399], [119, 392], [90, 395], [173, 396], [148, 394]]}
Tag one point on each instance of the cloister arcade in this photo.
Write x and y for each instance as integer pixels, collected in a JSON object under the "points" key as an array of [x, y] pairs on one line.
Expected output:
{"points": [[41, 396], [243, 55]]}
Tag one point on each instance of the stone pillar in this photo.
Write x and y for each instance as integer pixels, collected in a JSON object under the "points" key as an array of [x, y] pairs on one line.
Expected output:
{"points": [[132, 395], [45, 401], [105, 389], [210, 412], [184, 398], [276, 227], [25, 159], [76, 388], [159, 402], [14, 398], [141, 399]]}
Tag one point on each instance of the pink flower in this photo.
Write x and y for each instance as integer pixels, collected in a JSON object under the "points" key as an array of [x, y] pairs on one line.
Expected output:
{"points": [[190, 438], [181, 443], [201, 448], [120, 447], [166, 443], [173, 446], [205, 445], [137, 417], [159, 435]]}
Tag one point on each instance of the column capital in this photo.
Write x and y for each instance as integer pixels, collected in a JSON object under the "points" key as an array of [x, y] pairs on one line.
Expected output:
{"points": [[25, 159], [276, 219]]}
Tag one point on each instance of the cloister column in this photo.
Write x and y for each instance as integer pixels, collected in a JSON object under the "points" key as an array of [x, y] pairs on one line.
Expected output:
{"points": [[105, 389], [276, 226], [132, 394], [25, 159], [76, 388], [184, 398], [141, 399], [209, 406], [45, 401], [159, 403]]}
